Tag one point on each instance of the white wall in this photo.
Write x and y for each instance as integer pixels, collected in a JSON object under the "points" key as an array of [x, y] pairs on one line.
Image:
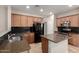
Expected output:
{"points": [[55, 28], [9, 18], [50, 24], [5, 17]]}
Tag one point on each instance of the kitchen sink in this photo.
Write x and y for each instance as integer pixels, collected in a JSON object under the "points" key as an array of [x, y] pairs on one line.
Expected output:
{"points": [[14, 37]]}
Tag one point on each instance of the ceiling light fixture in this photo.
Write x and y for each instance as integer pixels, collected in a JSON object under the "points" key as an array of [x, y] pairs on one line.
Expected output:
{"points": [[27, 7], [41, 10], [51, 13]]}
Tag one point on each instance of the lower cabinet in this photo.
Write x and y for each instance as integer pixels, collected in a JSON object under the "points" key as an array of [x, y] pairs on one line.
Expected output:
{"points": [[44, 45], [29, 37], [74, 39]]}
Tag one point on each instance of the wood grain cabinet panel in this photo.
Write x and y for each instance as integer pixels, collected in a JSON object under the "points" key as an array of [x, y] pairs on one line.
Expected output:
{"points": [[58, 22], [30, 21], [16, 20], [44, 45], [75, 21], [74, 40], [24, 21], [31, 38]]}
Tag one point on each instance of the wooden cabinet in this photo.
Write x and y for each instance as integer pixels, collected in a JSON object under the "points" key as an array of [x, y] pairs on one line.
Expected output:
{"points": [[24, 21], [29, 37], [30, 21], [44, 45], [58, 22], [74, 39], [16, 20], [74, 20]]}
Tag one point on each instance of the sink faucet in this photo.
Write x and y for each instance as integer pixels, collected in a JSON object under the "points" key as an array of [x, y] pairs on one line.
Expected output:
{"points": [[10, 35]]}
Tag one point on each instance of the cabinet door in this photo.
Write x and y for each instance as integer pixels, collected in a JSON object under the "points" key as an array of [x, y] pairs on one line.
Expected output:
{"points": [[58, 22], [74, 39], [30, 21], [75, 21], [16, 21], [70, 40], [24, 22], [31, 38]]}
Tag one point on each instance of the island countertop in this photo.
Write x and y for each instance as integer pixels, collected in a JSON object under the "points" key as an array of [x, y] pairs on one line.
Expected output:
{"points": [[56, 37]]}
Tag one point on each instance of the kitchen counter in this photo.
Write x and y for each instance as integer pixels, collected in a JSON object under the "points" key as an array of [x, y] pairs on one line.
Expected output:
{"points": [[14, 47], [56, 37]]}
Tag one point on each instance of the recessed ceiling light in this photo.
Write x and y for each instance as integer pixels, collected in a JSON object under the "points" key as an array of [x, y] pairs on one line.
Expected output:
{"points": [[41, 10], [70, 5], [51, 13], [27, 7]]}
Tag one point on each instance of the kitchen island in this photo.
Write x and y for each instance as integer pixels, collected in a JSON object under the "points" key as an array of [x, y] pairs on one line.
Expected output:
{"points": [[55, 43]]}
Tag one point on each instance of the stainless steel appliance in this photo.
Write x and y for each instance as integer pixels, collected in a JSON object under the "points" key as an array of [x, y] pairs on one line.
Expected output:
{"points": [[65, 27], [66, 24]]}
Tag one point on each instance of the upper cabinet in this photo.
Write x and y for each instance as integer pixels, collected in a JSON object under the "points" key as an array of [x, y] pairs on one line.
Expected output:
{"points": [[16, 20], [74, 20], [30, 21], [23, 21]]}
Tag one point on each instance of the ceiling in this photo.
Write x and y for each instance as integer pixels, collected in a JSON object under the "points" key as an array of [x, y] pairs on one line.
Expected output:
{"points": [[35, 9]]}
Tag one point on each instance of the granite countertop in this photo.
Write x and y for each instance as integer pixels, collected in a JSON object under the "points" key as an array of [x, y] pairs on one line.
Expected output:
{"points": [[14, 47], [56, 37]]}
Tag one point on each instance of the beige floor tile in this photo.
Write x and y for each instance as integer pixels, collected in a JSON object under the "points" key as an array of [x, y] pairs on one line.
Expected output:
{"points": [[73, 49], [35, 48]]}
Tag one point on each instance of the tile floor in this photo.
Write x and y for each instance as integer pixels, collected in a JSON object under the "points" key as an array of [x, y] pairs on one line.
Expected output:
{"points": [[73, 49], [36, 48]]}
